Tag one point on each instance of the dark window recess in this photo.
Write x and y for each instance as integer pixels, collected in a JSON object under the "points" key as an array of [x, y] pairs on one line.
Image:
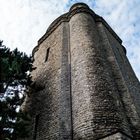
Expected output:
{"points": [[35, 127], [47, 55]]}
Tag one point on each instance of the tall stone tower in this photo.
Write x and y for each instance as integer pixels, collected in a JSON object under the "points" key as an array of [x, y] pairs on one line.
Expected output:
{"points": [[84, 87]]}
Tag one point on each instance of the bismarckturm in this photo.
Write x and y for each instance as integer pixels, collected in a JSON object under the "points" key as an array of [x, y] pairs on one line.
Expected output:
{"points": [[84, 87]]}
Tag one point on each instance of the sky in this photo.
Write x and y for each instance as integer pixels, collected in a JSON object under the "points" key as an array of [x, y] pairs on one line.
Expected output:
{"points": [[23, 22]]}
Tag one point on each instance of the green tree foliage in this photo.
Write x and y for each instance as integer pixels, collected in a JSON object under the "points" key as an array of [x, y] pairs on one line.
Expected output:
{"points": [[14, 79]]}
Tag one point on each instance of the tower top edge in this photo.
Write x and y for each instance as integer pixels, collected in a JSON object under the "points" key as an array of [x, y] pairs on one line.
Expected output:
{"points": [[76, 8], [79, 5]]}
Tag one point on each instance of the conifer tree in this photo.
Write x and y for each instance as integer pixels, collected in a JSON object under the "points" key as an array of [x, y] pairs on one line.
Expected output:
{"points": [[14, 79]]}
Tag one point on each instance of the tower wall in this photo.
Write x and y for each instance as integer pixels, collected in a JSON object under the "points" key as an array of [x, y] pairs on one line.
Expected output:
{"points": [[84, 87], [125, 78], [52, 104], [97, 109]]}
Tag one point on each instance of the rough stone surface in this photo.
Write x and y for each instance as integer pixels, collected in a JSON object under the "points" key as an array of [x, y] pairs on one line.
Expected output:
{"points": [[116, 136], [85, 88]]}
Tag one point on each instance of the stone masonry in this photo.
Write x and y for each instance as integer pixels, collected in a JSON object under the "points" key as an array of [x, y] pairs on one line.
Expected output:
{"points": [[83, 85]]}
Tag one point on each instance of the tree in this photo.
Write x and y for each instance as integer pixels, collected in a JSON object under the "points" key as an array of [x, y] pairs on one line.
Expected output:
{"points": [[14, 79]]}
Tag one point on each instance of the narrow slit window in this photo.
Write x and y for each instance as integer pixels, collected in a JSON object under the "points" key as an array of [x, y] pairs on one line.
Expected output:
{"points": [[47, 55], [35, 127]]}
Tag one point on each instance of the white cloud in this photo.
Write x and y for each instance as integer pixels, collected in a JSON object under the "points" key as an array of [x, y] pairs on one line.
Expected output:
{"points": [[24, 22]]}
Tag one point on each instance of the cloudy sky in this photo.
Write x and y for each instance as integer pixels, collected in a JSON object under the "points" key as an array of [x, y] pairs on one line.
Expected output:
{"points": [[23, 22]]}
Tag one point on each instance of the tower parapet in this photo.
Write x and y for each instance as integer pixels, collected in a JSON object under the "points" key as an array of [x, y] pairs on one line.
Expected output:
{"points": [[76, 8]]}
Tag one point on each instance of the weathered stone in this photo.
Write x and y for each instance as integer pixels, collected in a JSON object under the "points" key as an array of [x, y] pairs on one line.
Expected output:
{"points": [[85, 88]]}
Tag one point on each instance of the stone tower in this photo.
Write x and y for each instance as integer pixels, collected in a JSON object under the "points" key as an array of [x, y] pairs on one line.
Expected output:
{"points": [[84, 87]]}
